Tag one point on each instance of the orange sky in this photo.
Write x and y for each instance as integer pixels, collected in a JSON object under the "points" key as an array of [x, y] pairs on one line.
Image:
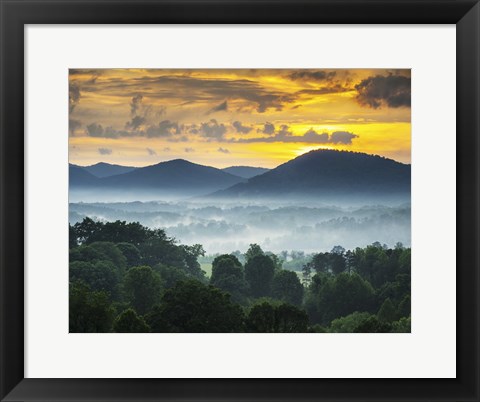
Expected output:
{"points": [[235, 117]]}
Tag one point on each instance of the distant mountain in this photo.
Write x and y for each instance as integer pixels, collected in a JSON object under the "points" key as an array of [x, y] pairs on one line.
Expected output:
{"points": [[103, 169], [173, 178], [79, 177], [329, 175], [246, 172]]}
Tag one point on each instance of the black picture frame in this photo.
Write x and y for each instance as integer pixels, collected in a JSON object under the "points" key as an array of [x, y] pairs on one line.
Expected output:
{"points": [[15, 14]]}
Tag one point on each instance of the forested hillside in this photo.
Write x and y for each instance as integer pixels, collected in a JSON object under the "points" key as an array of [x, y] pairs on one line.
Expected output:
{"points": [[125, 277]]}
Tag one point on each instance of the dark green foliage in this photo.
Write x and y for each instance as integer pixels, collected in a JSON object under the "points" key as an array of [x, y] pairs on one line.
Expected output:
{"points": [[372, 324], [267, 317], [191, 306], [143, 288], [349, 323], [170, 275], [228, 275], [259, 271], [131, 253], [262, 318], [402, 325], [287, 287], [129, 321], [253, 251], [89, 311], [99, 275], [342, 295], [361, 290], [387, 312]]}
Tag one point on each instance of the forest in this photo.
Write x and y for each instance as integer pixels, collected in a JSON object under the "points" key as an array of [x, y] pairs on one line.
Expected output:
{"points": [[126, 277]]}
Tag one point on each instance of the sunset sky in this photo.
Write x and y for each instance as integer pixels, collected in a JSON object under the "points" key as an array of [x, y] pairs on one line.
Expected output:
{"points": [[235, 117]]}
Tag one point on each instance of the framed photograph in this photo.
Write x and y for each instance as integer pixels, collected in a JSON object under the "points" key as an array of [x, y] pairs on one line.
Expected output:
{"points": [[240, 200]]}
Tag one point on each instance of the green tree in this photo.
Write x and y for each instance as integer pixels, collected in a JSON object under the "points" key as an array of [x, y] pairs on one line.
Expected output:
{"points": [[287, 287], [89, 311], [253, 251], [228, 275], [143, 288], [403, 325], [99, 275], [387, 312], [130, 321], [348, 323], [191, 306], [170, 275], [131, 254], [259, 272], [372, 324], [261, 318], [290, 319]]}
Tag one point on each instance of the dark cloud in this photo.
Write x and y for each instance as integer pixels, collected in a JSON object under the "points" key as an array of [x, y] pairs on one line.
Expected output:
{"points": [[391, 91], [188, 150], [73, 125], [311, 136], [73, 96], [105, 151], [342, 137], [312, 75], [165, 128], [268, 128], [223, 150], [95, 130], [197, 90], [223, 107], [240, 128], [151, 152], [135, 123], [135, 104], [213, 130]]}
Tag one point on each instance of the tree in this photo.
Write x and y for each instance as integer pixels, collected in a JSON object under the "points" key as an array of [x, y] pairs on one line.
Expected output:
{"points": [[287, 287], [349, 323], [228, 275], [372, 324], [253, 251], [259, 272], [143, 287], [131, 254], [99, 275], [191, 306], [262, 318], [89, 311], [129, 321], [191, 254], [403, 325], [72, 237], [170, 275], [273, 317], [387, 312], [290, 319]]}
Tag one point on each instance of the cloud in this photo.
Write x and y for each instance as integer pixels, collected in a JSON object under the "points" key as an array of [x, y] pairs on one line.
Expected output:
{"points": [[240, 128], [73, 125], [223, 150], [268, 128], [188, 150], [105, 151], [312, 75], [392, 91], [135, 123], [311, 136], [73, 96], [165, 128], [151, 152], [135, 104], [223, 107], [95, 130], [213, 130]]}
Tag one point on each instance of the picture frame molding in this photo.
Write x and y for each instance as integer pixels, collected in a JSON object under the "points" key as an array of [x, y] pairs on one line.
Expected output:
{"points": [[15, 15]]}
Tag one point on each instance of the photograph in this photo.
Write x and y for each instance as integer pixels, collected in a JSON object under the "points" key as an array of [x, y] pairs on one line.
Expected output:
{"points": [[239, 200]]}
